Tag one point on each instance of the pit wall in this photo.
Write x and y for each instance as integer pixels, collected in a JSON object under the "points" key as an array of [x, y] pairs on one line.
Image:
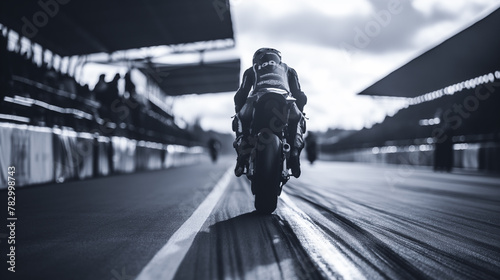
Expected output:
{"points": [[44, 155], [467, 156]]}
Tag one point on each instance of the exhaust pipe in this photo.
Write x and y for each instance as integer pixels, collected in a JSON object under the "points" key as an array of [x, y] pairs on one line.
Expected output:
{"points": [[286, 148]]}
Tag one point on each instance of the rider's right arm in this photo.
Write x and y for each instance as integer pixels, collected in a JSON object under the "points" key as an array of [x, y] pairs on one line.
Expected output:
{"points": [[246, 85]]}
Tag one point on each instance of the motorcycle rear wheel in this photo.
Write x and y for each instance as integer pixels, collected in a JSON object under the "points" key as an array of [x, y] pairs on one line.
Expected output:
{"points": [[266, 181]]}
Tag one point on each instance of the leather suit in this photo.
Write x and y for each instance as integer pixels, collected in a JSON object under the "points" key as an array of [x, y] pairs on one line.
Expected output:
{"points": [[270, 73]]}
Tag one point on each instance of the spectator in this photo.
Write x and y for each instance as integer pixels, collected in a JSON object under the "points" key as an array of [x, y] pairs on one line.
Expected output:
{"points": [[5, 71], [129, 86], [100, 87], [101, 92], [113, 92]]}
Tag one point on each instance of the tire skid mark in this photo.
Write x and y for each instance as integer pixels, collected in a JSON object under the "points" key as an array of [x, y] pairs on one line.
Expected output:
{"points": [[459, 265], [428, 226], [434, 226], [370, 252], [448, 193], [431, 226], [326, 254], [433, 259]]}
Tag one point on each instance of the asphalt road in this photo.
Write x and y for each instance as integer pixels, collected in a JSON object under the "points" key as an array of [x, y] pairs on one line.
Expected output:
{"points": [[339, 220]]}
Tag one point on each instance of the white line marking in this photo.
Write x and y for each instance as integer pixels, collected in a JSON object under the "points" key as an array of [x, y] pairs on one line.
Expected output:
{"points": [[317, 244], [165, 263]]}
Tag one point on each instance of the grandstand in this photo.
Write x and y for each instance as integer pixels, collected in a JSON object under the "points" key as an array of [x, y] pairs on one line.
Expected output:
{"points": [[452, 118], [53, 128]]}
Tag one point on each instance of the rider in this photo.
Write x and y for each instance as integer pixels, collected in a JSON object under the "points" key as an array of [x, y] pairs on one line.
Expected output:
{"points": [[268, 71]]}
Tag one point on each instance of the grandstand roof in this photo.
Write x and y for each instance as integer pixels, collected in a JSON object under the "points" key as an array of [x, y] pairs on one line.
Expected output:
{"points": [[199, 78], [78, 27], [471, 53]]}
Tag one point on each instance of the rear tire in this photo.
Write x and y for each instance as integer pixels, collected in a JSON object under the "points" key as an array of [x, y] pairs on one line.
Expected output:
{"points": [[265, 204], [266, 181]]}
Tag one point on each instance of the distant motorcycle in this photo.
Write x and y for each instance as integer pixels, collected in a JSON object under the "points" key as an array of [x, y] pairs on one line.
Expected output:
{"points": [[267, 166], [213, 148], [311, 147]]}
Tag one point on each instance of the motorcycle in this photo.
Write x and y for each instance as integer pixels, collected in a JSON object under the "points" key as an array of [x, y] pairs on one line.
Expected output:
{"points": [[213, 148], [268, 170]]}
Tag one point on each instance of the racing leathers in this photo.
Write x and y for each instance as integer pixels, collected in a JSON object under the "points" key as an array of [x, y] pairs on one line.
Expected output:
{"points": [[264, 75]]}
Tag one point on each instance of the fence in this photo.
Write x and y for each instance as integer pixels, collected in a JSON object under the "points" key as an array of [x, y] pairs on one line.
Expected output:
{"points": [[44, 155], [469, 156]]}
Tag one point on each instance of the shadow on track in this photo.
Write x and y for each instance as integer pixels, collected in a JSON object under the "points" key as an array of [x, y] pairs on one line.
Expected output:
{"points": [[248, 246]]}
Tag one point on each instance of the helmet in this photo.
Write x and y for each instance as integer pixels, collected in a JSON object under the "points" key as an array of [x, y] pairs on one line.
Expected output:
{"points": [[260, 53]]}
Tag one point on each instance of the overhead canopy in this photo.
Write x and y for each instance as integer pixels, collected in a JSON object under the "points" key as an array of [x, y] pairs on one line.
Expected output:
{"points": [[469, 54], [404, 127], [195, 78], [78, 27]]}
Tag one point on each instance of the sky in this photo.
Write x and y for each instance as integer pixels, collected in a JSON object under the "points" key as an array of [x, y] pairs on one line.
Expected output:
{"points": [[338, 49]]}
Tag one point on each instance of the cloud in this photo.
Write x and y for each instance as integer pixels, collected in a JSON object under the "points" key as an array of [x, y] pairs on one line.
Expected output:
{"points": [[376, 27], [312, 36], [311, 26], [455, 7]]}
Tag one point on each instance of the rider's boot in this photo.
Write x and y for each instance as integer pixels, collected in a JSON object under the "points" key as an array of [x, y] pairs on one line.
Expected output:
{"points": [[242, 148], [239, 169], [295, 162], [298, 144]]}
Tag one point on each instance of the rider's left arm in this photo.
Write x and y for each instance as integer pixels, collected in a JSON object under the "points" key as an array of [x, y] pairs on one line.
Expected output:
{"points": [[241, 95]]}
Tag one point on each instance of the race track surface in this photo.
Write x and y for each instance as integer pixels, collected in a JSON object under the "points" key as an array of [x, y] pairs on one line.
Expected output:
{"points": [[338, 221]]}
